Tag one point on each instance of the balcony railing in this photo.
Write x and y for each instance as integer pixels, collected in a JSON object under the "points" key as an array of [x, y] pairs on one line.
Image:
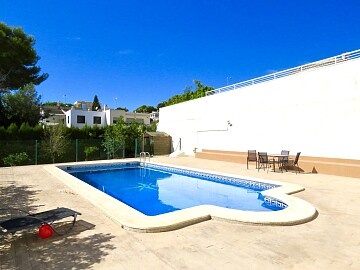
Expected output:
{"points": [[314, 65]]}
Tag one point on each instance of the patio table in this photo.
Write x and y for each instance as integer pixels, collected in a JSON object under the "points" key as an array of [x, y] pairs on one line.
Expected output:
{"points": [[278, 156]]}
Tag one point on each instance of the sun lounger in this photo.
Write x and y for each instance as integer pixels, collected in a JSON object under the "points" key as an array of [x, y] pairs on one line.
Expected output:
{"points": [[28, 221]]}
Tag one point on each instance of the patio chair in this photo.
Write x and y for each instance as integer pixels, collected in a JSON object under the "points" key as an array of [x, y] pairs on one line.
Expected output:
{"points": [[264, 161], [28, 220], [295, 162], [251, 157], [282, 161]]}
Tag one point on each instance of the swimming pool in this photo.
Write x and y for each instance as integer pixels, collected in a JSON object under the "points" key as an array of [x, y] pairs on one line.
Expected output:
{"points": [[155, 190], [273, 193]]}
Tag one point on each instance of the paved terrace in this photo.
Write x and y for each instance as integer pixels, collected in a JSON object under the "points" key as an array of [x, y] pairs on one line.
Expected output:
{"points": [[331, 241]]}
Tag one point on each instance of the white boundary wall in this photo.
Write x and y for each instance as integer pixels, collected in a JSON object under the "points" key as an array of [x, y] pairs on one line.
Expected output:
{"points": [[316, 112]]}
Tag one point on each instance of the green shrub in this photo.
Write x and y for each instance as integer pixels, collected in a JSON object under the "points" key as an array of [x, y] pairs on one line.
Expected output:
{"points": [[25, 131], [16, 159], [13, 131], [89, 150], [3, 133]]}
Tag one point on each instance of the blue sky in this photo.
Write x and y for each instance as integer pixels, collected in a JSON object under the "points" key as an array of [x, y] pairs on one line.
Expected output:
{"points": [[131, 53]]}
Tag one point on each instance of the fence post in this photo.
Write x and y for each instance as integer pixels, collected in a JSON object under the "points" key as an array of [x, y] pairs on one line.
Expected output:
{"points": [[36, 152], [76, 150]]}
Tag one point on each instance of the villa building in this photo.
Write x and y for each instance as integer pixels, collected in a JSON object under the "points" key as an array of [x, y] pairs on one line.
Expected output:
{"points": [[154, 116], [81, 114], [53, 115]]}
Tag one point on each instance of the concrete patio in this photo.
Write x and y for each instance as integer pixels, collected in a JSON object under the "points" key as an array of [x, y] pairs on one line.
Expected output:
{"points": [[331, 241]]}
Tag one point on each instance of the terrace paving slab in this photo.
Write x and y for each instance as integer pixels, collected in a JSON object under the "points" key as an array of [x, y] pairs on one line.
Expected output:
{"points": [[331, 241]]}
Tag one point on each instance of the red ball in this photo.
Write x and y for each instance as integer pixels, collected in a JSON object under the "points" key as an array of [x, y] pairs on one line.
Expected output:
{"points": [[45, 231]]}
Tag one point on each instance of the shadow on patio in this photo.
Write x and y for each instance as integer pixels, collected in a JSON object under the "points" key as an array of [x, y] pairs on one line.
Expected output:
{"points": [[26, 250]]}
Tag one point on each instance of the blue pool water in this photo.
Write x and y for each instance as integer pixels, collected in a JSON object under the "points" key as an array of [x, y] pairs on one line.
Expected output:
{"points": [[155, 190]]}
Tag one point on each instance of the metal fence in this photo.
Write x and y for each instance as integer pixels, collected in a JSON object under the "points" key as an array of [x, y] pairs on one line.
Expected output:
{"points": [[76, 150], [318, 64]]}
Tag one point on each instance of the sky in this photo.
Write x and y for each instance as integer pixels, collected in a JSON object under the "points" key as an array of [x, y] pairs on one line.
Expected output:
{"points": [[142, 52]]}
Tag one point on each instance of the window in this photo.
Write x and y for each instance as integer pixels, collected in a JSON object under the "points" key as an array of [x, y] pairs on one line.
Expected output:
{"points": [[129, 120], [68, 118], [81, 119], [97, 120], [137, 120], [115, 119]]}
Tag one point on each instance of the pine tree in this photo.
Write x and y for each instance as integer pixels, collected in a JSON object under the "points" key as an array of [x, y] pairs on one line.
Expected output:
{"points": [[96, 104]]}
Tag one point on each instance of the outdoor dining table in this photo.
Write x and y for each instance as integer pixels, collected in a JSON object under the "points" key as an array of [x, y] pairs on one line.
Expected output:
{"points": [[278, 156]]}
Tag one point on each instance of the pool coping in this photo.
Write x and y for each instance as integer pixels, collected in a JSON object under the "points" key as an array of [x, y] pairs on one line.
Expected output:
{"points": [[298, 211]]}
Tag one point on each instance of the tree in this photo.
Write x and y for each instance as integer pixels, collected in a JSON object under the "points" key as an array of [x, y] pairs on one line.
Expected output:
{"points": [[55, 142], [145, 109], [57, 103], [201, 90], [18, 59], [188, 94], [161, 105], [96, 104], [113, 138], [21, 106], [122, 134], [122, 108]]}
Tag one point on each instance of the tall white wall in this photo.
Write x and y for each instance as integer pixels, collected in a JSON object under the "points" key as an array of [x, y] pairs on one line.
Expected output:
{"points": [[316, 112]]}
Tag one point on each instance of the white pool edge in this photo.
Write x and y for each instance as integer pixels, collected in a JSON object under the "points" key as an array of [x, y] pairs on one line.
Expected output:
{"points": [[297, 212]]}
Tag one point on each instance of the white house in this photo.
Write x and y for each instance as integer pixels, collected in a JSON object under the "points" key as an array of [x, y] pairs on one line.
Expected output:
{"points": [[154, 116], [81, 116], [52, 115]]}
